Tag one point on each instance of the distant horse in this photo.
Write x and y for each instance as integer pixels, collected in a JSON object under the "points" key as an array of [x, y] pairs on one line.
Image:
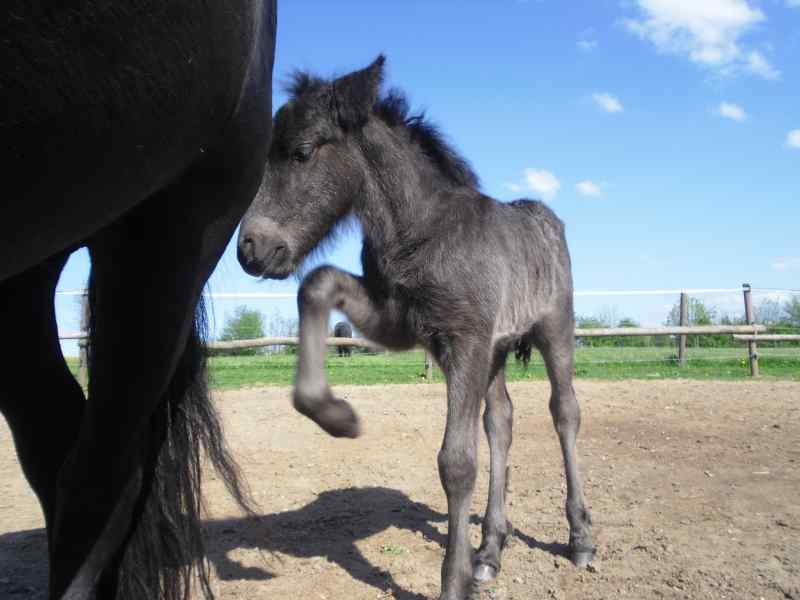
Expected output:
{"points": [[342, 329], [139, 130], [445, 266]]}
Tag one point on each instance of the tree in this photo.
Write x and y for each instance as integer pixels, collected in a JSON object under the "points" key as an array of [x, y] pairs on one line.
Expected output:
{"points": [[637, 341], [792, 310], [768, 312], [699, 314], [592, 323], [280, 326], [244, 324]]}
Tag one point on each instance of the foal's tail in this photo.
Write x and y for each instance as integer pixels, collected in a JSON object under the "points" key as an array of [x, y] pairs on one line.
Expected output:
{"points": [[166, 548], [522, 351]]}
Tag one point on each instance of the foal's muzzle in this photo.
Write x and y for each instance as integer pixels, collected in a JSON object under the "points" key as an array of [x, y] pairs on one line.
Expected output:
{"points": [[261, 251]]}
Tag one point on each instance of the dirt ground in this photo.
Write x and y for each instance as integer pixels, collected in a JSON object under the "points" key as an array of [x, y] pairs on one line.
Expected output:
{"points": [[693, 488]]}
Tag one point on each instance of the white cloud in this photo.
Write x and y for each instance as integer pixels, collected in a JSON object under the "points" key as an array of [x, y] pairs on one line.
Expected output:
{"points": [[708, 32], [787, 264], [542, 182], [731, 111], [793, 138], [607, 102], [589, 45], [513, 187], [589, 188], [757, 64]]}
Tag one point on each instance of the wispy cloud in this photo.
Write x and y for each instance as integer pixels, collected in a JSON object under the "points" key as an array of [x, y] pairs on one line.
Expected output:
{"points": [[758, 65], [607, 102], [589, 188], [732, 111], [708, 33], [513, 187], [793, 138], [586, 45], [787, 264], [542, 182]]}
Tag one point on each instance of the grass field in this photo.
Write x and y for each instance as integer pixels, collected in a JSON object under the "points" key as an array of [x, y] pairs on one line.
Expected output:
{"points": [[230, 372]]}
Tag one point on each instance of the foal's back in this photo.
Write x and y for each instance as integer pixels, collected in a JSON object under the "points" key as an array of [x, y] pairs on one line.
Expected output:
{"points": [[519, 265]]}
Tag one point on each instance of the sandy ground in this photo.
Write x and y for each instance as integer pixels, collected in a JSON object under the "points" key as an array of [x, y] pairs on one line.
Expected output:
{"points": [[693, 488]]}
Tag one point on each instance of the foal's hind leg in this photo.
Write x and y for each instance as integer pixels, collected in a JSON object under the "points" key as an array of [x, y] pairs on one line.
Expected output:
{"points": [[554, 338], [497, 422], [322, 290]]}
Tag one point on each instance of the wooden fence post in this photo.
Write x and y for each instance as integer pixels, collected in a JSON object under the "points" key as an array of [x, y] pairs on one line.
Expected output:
{"points": [[683, 323], [83, 344], [752, 349]]}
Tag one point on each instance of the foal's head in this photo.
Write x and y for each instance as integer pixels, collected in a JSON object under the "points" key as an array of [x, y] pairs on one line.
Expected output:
{"points": [[315, 170]]}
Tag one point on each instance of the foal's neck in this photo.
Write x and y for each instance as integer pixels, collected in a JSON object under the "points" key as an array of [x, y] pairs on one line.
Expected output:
{"points": [[400, 194]]}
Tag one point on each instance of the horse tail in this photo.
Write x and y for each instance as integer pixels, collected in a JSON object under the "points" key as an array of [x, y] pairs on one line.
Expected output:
{"points": [[522, 351], [165, 548]]}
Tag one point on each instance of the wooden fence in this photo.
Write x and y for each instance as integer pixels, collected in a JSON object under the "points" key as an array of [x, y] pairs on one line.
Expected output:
{"points": [[750, 333], [744, 332]]}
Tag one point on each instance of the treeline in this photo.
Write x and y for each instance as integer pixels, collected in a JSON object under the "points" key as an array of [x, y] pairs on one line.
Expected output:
{"points": [[784, 317], [780, 317], [249, 324]]}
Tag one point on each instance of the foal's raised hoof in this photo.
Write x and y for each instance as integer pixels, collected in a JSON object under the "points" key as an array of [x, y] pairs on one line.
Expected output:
{"points": [[483, 573], [582, 556], [337, 418]]}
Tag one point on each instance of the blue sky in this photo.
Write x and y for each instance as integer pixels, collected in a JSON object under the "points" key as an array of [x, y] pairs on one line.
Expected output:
{"points": [[665, 133]]}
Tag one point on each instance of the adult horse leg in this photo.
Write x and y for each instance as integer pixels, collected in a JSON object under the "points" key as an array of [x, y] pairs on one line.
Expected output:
{"points": [[498, 419], [554, 338], [148, 272], [322, 290], [44, 411]]}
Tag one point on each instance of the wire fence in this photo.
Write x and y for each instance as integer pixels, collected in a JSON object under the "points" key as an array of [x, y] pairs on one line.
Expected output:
{"points": [[242, 316]]}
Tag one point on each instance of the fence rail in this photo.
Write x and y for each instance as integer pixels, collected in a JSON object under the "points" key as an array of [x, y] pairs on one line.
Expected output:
{"points": [[774, 337], [594, 332], [290, 341]]}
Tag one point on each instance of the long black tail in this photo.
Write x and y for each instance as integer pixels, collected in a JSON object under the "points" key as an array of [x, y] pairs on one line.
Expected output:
{"points": [[165, 549]]}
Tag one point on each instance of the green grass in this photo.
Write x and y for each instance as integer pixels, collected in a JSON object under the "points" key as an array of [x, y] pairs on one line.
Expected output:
{"points": [[230, 372]]}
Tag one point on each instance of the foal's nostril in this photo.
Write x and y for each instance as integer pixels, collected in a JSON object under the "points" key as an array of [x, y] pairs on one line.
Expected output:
{"points": [[279, 253], [247, 253]]}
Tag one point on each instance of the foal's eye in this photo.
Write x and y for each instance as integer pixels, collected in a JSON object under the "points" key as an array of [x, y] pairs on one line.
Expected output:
{"points": [[303, 153]]}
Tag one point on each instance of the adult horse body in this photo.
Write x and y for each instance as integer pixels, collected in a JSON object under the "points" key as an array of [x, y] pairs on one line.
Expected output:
{"points": [[444, 266], [344, 330], [139, 130]]}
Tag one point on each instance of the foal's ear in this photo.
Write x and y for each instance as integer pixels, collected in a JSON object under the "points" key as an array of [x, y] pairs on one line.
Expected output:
{"points": [[355, 94]]}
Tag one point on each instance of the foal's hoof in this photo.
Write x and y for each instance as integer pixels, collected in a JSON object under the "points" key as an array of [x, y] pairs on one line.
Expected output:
{"points": [[483, 573], [583, 556], [338, 419]]}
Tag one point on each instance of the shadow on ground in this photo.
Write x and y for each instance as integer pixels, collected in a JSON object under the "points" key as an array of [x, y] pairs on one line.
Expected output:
{"points": [[329, 527]]}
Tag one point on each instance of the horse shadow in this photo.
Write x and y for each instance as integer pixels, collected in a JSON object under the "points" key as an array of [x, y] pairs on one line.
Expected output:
{"points": [[329, 527]]}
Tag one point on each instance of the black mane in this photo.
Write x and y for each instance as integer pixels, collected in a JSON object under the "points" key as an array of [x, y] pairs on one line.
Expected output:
{"points": [[394, 110], [302, 82]]}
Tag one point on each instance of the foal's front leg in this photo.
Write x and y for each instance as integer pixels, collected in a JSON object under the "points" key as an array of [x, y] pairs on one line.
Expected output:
{"points": [[467, 373], [323, 289]]}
